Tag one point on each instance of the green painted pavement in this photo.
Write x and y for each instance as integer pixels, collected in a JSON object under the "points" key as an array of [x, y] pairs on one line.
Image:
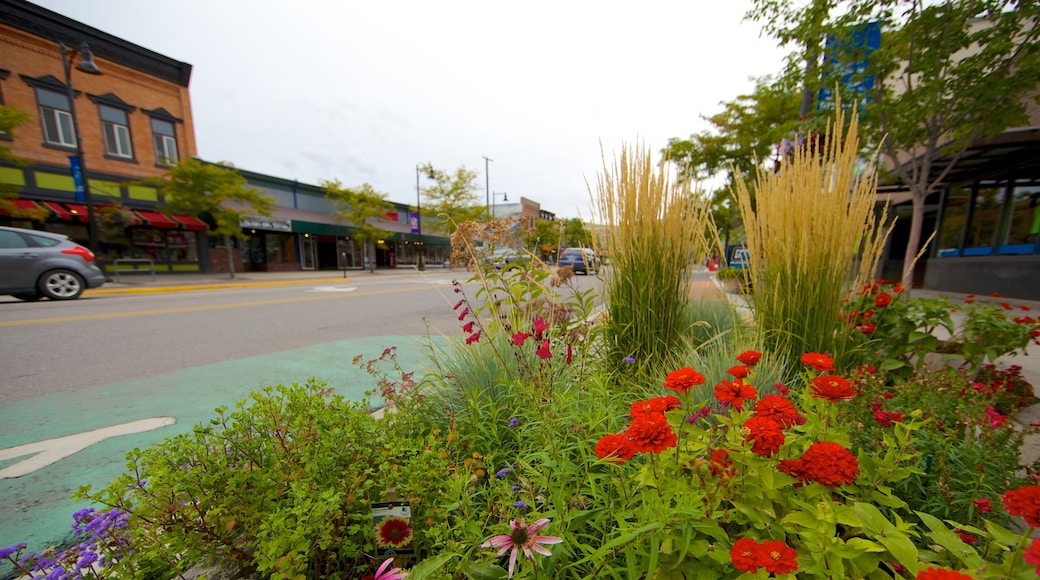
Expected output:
{"points": [[36, 508]]}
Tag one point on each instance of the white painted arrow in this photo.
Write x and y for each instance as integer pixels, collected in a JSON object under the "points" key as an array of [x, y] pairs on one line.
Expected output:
{"points": [[51, 451]]}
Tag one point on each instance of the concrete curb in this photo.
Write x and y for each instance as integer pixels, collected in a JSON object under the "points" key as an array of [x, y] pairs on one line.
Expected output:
{"points": [[211, 286]]}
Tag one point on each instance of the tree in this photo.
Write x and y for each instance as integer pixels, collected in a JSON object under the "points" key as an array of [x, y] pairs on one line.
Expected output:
{"points": [[358, 206], [545, 233], [947, 75], [573, 234], [452, 197], [217, 194], [10, 119]]}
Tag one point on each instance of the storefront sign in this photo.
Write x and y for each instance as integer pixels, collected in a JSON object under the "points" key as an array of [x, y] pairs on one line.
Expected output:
{"points": [[266, 223]]}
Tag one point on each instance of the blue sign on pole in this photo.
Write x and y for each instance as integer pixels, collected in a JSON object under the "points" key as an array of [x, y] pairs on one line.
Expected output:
{"points": [[413, 217], [847, 59], [77, 177]]}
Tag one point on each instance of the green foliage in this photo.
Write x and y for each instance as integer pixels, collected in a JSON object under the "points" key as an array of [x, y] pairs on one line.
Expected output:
{"points": [[10, 119], [359, 205], [453, 198]]}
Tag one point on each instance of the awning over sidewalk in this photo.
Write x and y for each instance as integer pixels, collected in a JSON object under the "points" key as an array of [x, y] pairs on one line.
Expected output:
{"points": [[23, 205], [192, 224], [156, 219], [59, 210], [78, 211]]}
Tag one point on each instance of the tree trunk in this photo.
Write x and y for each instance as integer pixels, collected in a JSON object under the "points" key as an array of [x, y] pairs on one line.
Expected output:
{"points": [[230, 255], [914, 242]]}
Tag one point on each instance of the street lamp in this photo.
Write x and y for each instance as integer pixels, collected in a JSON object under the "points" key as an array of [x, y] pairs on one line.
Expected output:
{"points": [[505, 197], [79, 166], [487, 184], [428, 168]]}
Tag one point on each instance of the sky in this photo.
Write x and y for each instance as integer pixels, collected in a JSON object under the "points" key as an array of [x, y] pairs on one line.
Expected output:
{"points": [[363, 91]]}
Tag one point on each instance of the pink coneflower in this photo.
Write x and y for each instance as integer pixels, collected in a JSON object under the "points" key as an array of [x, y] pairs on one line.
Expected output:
{"points": [[522, 537], [383, 573]]}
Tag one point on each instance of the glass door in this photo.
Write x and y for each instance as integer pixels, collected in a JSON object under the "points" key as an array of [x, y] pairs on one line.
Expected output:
{"points": [[308, 253]]}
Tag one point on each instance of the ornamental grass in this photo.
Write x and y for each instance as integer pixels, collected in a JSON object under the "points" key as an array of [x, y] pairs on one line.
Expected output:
{"points": [[813, 233], [654, 233]]}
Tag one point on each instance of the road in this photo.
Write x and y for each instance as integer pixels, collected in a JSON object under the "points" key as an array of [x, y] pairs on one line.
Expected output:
{"points": [[86, 381]]}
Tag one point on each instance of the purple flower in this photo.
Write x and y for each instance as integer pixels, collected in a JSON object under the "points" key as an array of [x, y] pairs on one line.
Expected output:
{"points": [[5, 553], [520, 504], [629, 359], [513, 422], [504, 472]]}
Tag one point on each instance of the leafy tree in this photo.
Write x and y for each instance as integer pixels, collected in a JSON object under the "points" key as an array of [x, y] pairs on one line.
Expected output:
{"points": [[544, 233], [10, 119], [452, 197], [947, 75], [360, 205], [216, 193]]}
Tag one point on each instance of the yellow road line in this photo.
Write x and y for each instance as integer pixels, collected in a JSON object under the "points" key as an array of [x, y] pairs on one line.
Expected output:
{"points": [[202, 307]]}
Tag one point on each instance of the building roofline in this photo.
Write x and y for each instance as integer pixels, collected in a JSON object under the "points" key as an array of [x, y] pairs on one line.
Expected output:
{"points": [[57, 28]]}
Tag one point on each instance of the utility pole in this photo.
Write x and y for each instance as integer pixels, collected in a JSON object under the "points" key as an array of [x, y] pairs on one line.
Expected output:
{"points": [[487, 185]]}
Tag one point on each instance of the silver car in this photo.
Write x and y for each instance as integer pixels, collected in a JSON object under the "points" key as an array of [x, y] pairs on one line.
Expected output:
{"points": [[36, 264]]}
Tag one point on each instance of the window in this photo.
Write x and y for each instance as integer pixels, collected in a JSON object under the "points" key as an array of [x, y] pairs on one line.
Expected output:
{"points": [[165, 142], [116, 129], [955, 212], [982, 231], [56, 118], [1023, 227]]}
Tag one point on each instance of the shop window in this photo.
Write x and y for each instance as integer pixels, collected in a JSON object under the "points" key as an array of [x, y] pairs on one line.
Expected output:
{"points": [[281, 248], [165, 138], [116, 128], [955, 213], [1022, 224], [56, 117], [985, 220]]}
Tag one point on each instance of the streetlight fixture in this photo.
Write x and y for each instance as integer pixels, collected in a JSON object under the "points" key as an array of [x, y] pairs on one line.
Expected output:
{"points": [[78, 164], [428, 168], [505, 197]]}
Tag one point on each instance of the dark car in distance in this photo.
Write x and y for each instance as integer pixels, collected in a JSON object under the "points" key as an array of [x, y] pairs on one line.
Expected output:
{"points": [[583, 260], [35, 264]]}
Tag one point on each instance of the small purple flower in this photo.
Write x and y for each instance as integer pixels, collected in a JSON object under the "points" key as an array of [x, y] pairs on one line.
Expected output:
{"points": [[5, 553], [629, 359], [516, 488], [504, 472], [513, 422], [521, 505]]}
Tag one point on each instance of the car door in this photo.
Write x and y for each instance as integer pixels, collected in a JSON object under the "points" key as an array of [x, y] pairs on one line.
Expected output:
{"points": [[17, 258]]}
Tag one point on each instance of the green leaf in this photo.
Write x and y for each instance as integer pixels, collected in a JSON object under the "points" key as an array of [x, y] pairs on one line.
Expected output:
{"points": [[429, 566], [1002, 535], [901, 548], [892, 364], [482, 571], [951, 541]]}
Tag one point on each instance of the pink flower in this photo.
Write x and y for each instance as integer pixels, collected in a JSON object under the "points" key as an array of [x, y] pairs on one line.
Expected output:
{"points": [[522, 537], [384, 574], [996, 420]]}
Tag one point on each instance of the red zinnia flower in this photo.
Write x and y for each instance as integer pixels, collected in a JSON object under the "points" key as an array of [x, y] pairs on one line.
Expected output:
{"points": [[655, 405], [1032, 555], [941, 574], [794, 468], [888, 418], [882, 300], [740, 372], [683, 380], [819, 362], [833, 388], [735, 393], [830, 464], [749, 357], [765, 434], [867, 328], [779, 409], [743, 555], [615, 445], [776, 557], [651, 434], [721, 464], [995, 419], [1024, 502], [544, 351]]}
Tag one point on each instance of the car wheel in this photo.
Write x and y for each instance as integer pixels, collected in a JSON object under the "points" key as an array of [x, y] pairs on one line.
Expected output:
{"points": [[61, 285], [28, 297]]}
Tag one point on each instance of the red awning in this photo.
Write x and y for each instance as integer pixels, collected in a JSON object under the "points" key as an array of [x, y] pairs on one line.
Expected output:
{"points": [[23, 205], [157, 220], [79, 211], [190, 223], [60, 211]]}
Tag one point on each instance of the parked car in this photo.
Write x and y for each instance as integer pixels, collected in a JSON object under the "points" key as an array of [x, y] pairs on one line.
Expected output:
{"points": [[583, 260], [36, 264], [506, 256]]}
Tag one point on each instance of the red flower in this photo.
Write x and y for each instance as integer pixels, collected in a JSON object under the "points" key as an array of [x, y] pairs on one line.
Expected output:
{"points": [[520, 338], [463, 314], [982, 505], [882, 300], [779, 409], [941, 574], [743, 555], [1024, 502], [473, 337], [794, 468], [996, 420], [540, 326], [777, 557], [458, 305], [1032, 555], [830, 464], [393, 532], [765, 434], [570, 354], [888, 418], [819, 362], [651, 434], [656, 405], [740, 372], [967, 538], [468, 327], [735, 393], [867, 327], [721, 464], [749, 357], [683, 380], [615, 445], [782, 389], [833, 388], [544, 351]]}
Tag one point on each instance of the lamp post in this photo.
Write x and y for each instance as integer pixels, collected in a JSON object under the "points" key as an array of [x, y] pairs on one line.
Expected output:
{"points": [[505, 197], [487, 184], [420, 262], [86, 64]]}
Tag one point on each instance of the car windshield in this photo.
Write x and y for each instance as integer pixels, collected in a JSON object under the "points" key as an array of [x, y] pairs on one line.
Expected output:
{"points": [[572, 254]]}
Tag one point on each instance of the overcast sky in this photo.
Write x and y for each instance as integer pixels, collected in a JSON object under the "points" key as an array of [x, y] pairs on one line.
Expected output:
{"points": [[364, 90]]}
